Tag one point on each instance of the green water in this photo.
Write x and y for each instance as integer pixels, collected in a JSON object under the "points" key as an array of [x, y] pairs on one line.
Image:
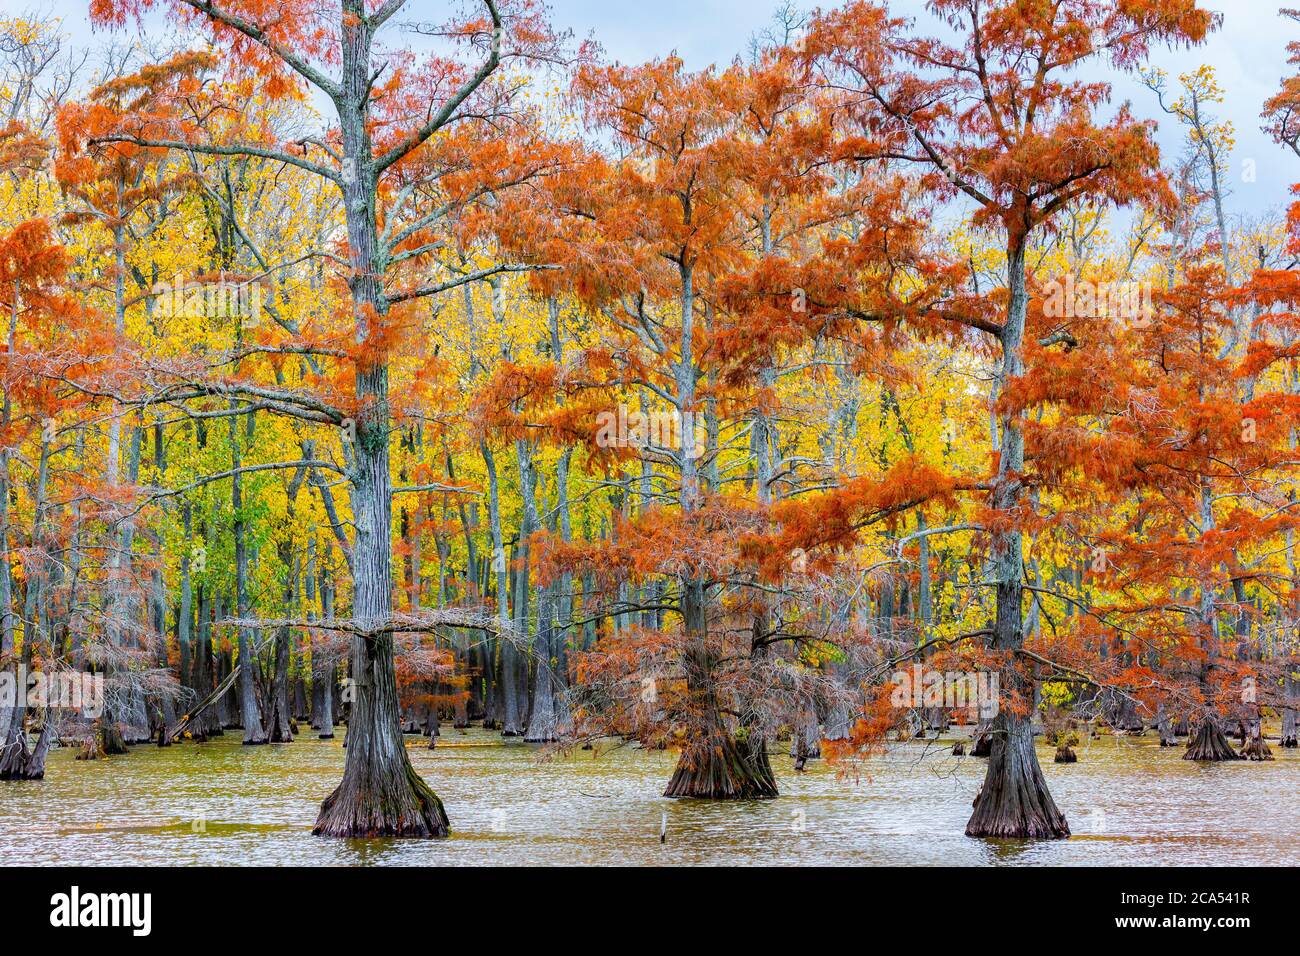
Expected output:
{"points": [[1128, 801]]}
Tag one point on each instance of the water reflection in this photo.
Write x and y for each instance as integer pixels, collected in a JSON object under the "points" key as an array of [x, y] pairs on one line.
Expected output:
{"points": [[1128, 801]]}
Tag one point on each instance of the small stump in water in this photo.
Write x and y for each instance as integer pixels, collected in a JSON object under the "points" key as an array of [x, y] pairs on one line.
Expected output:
{"points": [[109, 735], [1065, 742], [91, 749], [959, 749], [1256, 749]]}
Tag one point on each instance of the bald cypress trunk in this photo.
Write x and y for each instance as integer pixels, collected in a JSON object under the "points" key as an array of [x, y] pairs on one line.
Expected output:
{"points": [[1014, 801], [544, 723], [278, 719], [380, 794], [1208, 742], [185, 611], [324, 669], [514, 663], [17, 760], [712, 764], [496, 703], [249, 713], [1291, 706]]}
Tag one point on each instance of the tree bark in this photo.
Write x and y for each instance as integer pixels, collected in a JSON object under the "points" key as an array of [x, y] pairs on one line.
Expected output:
{"points": [[249, 713], [380, 794], [1291, 706], [1209, 743], [1014, 801]]}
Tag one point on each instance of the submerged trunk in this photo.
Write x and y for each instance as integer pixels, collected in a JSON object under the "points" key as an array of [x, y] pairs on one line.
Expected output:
{"points": [[1209, 743], [544, 723], [323, 668], [1165, 727], [500, 695], [515, 659], [805, 741], [277, 721], [250, 715], [280, 716], [713, 764], [1255, 748], [380, 794], [1014, 801], [1291, 708], [17, 762]]}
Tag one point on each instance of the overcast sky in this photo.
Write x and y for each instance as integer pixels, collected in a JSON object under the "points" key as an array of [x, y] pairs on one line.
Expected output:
{"points": [[1248, 53]]}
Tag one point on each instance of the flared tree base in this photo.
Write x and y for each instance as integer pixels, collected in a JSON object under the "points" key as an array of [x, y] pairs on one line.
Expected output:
{"points": [[91, 748], [1256, 749], [1014, 802], [722, 768], [1290, 726], [1209, 743], [402, 805], [112, 743], [17, 762], [1065, 755]]}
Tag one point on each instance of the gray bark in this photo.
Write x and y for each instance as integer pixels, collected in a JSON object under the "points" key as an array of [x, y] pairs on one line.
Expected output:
{"points": [[1014, 801]]}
